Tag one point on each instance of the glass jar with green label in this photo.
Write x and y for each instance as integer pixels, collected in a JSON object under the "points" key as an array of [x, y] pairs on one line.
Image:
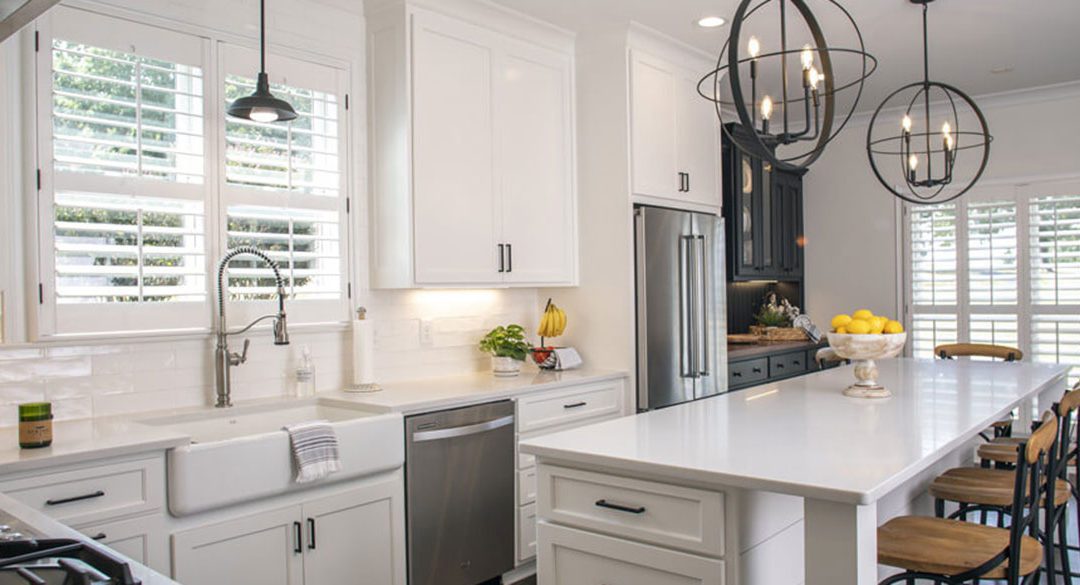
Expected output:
{"points": [[35, 425]]}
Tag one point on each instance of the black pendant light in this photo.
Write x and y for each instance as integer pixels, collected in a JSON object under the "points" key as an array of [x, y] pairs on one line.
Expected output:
{"points": [[262, 106], [916, 157], [777, 93]]}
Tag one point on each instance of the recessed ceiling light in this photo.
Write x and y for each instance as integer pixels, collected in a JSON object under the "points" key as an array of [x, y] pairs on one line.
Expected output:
{"points": [[711, 22], [1000, 70]]}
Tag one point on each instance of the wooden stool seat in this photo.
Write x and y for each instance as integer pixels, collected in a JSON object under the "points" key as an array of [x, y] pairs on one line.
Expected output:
{"points": [[950, 547], [987, 487]]}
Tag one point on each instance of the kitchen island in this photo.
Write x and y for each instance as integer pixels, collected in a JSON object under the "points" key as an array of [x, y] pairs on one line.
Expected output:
{"points": [[780, 484]]}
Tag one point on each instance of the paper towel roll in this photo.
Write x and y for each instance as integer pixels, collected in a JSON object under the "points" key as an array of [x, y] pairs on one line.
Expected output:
{"points": [[363, 337]]}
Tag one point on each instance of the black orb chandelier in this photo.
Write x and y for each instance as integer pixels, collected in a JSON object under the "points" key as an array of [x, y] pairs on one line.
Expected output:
{"points": [[779, 136], [915, 158]]}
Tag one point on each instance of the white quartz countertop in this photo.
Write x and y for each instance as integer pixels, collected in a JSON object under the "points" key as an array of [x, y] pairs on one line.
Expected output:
{"points": [[415, 396], [803, 437], [77, 440], [42, 524]]}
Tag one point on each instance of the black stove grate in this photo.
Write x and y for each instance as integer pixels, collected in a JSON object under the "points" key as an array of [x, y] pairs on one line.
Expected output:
{"points": [[81, 563]]}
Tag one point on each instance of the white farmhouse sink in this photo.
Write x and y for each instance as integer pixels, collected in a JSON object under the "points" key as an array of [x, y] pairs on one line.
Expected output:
{"points": [[241, 454]]}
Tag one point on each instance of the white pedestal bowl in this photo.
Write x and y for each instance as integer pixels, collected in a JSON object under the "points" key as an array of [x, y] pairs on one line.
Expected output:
{"points": [[863, 350]]}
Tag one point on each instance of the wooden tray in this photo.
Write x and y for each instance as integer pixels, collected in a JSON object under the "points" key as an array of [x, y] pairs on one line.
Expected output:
{"points": [[743, 338]]}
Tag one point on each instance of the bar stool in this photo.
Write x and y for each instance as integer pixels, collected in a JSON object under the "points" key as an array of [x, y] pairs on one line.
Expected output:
{"points": [[952, 552], [983, 490], [1001, 451], [951, 351]]}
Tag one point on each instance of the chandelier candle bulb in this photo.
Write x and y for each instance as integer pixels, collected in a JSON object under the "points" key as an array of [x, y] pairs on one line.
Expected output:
{"points": [[807, 57], [913, 163]]}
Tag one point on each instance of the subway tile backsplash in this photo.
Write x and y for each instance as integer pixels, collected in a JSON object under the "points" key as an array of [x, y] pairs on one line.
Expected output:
{"points": [[111, 379]]}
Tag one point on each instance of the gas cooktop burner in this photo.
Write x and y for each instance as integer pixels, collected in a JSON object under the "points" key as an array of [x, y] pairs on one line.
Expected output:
{"points": [[60, 562]]}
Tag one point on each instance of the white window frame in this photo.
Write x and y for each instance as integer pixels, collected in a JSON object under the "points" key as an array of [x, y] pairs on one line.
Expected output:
{"points": [[40, 284], [1023, 193]]}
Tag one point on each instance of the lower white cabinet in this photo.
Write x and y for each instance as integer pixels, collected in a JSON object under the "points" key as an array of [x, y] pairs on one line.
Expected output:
{"points": [[142, 539], [350, 537], [573, 557], [263, 549]]}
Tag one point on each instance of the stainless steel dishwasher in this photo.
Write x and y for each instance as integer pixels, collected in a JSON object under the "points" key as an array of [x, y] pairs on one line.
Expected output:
{"points": [[459, 494]]}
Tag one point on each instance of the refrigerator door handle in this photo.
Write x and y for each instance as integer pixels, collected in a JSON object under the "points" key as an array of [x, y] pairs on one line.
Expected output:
{"points": [[686, 308], [702, 320], [692, 326]]}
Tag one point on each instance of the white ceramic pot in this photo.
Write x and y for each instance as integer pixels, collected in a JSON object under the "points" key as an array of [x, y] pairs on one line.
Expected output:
{"points": [[863, 350], [505, 367]]}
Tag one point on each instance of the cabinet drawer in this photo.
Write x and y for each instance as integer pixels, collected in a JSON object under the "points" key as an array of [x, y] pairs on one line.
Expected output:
{"points": [[748, 372], [525, 460], [662, 514], [571, 405], [788, 364], [93, 494], [526, 532], [573, 557], [526, 486], [143, 539]]}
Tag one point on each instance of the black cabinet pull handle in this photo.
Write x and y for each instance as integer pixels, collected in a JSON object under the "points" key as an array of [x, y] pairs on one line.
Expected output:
{"points": [[99, 536], [311, 533], [502, 258], [796, 362], [736, 374], [620, 507], [757, 370], [574, 405], [780, 366], [96, 494], [298, 548], [687, 182], [509, 258]]}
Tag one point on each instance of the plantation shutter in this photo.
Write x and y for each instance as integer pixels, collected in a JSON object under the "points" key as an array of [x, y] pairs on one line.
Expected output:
{"points": [[124, 228], [1054, 235], [992, 272], [283, 190], [932, 241]]}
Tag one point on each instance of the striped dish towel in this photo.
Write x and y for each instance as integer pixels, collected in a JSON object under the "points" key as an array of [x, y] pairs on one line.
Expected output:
{"points": [[315, 450]]}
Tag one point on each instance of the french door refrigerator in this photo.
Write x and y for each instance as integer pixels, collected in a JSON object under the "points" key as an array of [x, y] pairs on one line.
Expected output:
{"points": [[681, 306]]}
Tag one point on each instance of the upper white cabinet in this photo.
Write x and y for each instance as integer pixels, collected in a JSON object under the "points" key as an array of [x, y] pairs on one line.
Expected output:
{"points": [[472, 136], [674, 132]]}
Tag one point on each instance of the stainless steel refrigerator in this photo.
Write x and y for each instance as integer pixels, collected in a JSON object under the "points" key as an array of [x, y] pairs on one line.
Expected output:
{"points": [[681, 306]]}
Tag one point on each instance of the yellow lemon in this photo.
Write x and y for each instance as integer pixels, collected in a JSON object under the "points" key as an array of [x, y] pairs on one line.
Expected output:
{"points": [[862, 314], [840, 321], [877, 324], [841, 330], [858, 327], [894, 327]]}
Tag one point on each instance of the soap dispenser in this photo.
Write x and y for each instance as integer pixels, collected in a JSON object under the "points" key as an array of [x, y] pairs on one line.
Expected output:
{"points": [[305, 374]]}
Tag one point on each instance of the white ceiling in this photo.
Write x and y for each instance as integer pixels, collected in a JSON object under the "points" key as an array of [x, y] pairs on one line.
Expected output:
{"points": [[980, 46]]}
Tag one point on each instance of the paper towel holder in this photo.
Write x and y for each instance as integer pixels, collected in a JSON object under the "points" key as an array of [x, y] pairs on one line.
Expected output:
{"points": [[361, 388]]}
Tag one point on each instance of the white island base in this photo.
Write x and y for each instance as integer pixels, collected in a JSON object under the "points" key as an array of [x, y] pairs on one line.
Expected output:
{"points": [[778, 485]]}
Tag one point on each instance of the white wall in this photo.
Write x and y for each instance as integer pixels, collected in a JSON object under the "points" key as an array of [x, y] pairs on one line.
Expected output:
{"points": [[103, 379], [852, 256]]}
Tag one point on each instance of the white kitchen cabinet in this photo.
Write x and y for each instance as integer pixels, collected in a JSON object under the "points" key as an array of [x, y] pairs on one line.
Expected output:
{"points": [[481, 120], [675, 134], [260, 549], [453, 153], [325, 541], [354, 534], [143, 539], [571, 557]]}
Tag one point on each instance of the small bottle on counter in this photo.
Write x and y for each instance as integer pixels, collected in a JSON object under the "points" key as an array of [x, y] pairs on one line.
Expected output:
{"points": [[35, 425], [305, 374]]}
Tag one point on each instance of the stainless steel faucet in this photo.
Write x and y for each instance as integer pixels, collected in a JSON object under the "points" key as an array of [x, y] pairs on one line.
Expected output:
{"points": [[224, 359]]}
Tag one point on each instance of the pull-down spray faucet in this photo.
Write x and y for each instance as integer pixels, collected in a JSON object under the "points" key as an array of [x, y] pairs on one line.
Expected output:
{"points": [[224, 359]]}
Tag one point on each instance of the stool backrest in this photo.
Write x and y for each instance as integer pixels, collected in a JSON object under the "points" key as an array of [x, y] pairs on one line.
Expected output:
{"points": [[954, 350], [1029, 488]]}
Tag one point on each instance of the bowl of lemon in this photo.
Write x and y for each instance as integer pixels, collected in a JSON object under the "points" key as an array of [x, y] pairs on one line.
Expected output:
{"points": [[863, 337]]}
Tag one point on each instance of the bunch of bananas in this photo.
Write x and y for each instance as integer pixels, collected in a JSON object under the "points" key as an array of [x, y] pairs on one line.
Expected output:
{"points": [[553, 323]]}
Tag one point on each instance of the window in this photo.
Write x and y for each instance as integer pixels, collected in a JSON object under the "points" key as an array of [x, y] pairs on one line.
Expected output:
{"points": [[123, 230], [1000, 266], [283, 189], [133, 215]]}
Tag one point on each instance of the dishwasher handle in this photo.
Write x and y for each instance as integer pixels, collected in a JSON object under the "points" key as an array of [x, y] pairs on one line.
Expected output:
{"points": [[462, 431]]}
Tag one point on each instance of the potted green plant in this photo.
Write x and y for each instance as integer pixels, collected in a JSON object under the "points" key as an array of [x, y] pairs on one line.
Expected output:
{"points": [[508, 349]]}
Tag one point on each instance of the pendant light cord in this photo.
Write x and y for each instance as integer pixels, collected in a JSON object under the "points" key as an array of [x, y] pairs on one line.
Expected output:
{"points": [[262, 36]]}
